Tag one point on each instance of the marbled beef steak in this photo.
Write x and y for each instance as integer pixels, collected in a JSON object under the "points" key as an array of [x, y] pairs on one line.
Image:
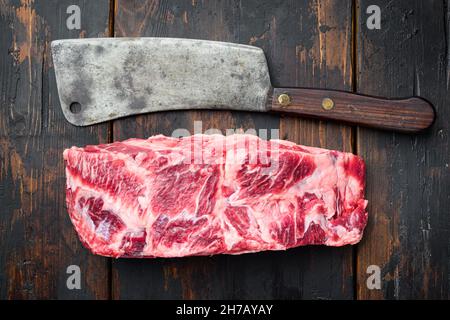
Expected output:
{"points": [[211, 194]]}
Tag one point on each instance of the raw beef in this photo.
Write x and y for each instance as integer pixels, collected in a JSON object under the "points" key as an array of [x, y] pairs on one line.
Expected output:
{"points": [[211, 194]]}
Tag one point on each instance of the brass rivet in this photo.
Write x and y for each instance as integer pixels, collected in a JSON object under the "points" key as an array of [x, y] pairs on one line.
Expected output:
{"points": [[284, 99], [327, 104]]}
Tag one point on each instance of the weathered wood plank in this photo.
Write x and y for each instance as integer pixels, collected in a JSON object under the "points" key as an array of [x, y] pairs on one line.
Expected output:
{"points": [[37, 240], [315, 39], [296, 37], [196, 277], [408, 177]]}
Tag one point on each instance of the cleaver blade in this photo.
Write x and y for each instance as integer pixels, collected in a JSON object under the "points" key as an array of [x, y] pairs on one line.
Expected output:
{"points": [[102, 79]]}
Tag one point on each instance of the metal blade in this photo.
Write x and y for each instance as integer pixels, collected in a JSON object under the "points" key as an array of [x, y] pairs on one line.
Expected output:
{"points": [[106, 78]]}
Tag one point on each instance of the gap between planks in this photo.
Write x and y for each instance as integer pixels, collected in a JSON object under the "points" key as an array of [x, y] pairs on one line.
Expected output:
{"points": [[355, 150], [110, 138]]}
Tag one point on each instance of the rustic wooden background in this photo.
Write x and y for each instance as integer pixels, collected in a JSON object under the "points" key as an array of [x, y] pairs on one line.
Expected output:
{"points": [[310, 43]]}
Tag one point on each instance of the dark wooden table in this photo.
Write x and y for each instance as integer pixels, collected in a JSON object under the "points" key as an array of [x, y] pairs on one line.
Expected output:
{"points": [[323, 44]]}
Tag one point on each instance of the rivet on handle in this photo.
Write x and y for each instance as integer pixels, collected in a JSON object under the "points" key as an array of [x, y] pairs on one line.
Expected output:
{"points": [[284, 99], [327, 104]]}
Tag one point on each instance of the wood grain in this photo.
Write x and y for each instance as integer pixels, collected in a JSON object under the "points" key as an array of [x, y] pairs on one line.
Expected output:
{"points": [[409, 115], [37, 240], [408, 177], [307, 44]]}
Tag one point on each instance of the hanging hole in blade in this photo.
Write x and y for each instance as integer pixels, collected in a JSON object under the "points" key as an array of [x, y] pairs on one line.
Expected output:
{"points": [[75, 107]]}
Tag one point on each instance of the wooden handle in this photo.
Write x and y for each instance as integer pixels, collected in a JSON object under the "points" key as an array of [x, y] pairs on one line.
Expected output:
{"points": [[404, 115]]}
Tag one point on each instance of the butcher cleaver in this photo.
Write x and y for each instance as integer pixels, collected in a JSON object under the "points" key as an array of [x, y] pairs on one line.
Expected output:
{"points": [[101, 79]]}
